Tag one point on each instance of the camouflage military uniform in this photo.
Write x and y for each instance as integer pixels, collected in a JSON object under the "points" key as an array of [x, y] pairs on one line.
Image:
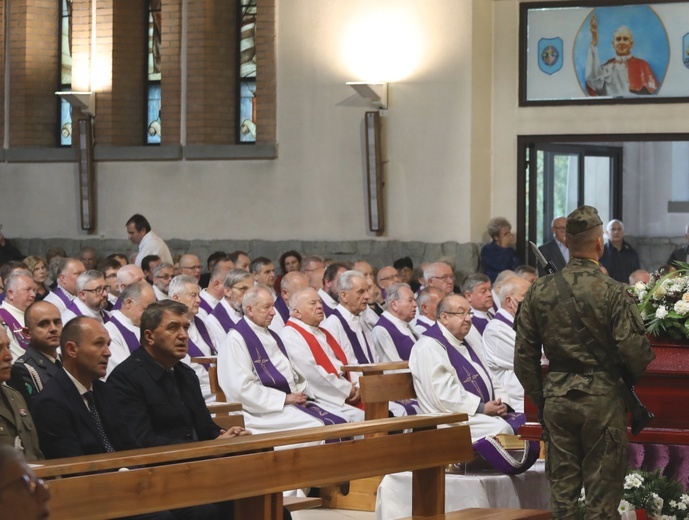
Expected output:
{"points": [[580, 403]]}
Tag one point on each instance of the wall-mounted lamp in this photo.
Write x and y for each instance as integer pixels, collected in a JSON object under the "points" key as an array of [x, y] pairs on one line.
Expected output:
{"points": [[84, 101], [377, 93]]}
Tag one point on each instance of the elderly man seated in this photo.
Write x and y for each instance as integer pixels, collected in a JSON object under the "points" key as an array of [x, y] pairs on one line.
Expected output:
{"points": [[393, 334], [255, 370]]}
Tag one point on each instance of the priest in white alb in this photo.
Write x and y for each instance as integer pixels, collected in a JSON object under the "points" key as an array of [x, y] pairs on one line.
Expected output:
{"points": [[254, 370], [316, 354], [393, 335], [228, 311]]}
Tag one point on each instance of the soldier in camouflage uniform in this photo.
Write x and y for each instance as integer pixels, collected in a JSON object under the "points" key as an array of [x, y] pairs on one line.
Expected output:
{"points": [[580, 405]]}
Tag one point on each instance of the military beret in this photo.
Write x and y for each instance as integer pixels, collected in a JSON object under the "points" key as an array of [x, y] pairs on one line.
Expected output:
{"points": [[583, 219]]}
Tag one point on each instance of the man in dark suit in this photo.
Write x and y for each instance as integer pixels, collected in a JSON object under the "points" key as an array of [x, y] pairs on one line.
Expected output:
{"points": [[556, 249], [681, 254], [77, 414], [32, 371], [160, 396]]}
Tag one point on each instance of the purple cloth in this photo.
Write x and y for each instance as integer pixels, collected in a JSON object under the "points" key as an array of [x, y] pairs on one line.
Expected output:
{"points": [[503, 319], [327, 310], [423, 324], [223, 317], [15, 328], [205, 306], [479, 323], [129, 337], [62, 294], [282, 309], [361, 357], [271, 377], [402, 342]]}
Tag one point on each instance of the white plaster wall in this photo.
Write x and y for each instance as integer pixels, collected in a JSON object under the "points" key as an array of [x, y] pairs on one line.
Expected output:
{"points": [[650, 217], [315, 189]]}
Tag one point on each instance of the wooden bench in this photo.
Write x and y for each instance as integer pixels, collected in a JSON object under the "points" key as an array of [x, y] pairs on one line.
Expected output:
{"points": [[252, 472], [490, 514]]}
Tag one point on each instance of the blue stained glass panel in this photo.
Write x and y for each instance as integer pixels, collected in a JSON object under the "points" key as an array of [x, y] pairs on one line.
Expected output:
{"points": [[65, 123], [153, 121], [247, 112]]}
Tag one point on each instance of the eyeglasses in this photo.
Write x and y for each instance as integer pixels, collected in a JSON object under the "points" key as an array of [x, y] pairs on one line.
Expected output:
{"points": [[97, 290], [446, 278], [30, 484], [461, 315], [165, 276]]}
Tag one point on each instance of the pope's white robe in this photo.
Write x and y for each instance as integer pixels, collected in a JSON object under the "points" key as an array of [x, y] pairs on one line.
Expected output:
{"points": [[332, 389], [439, 390], [57, 301], [216, 328], [498, 350], [201, 372], [264, 408], [68, 314], [385, 346], [15, 348], [119, 349]]}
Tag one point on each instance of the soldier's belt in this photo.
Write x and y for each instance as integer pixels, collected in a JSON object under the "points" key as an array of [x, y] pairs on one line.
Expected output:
{"points": [[573, 367]]}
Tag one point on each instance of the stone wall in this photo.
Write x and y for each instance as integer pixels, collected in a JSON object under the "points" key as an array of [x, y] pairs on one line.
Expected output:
{"points": [[378, 253]]}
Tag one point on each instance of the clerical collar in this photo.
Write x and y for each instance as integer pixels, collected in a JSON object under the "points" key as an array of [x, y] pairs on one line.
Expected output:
{"points": [[311, 328], [254, 327], [449, 336], [622, 59]]}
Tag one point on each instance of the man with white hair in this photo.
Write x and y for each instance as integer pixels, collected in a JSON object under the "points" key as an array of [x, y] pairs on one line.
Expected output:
{"points": [[290, 283], [185, 289], [211, 295], [162, 275], [19, 294], [68, 270], [426, 302], [438, 359], [228, 312], [124, 323], [318, 356], [621, 75], [619, 258], [440, 276], [128, 275], [499, 338], [328, 293], [495, 289], [255, 370], [556, 250], [91, 300], [393, 335]]}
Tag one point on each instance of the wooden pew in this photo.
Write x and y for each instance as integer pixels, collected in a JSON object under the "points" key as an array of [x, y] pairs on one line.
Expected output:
{"points": [[250, 471], [224, 413], [490, 514]]}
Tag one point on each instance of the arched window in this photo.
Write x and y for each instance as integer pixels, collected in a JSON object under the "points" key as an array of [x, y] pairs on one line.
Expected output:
{"points": [[247, 72], [154, 75], [65, 119]]}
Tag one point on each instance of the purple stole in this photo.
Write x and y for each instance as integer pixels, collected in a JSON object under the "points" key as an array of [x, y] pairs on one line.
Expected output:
{"points": [[327, 310], [62, 294], [354, 340], [129, 337], [15, 328], [469, 377], [2, 297], [403, 343], [281, 307], [194, 350], [423, 324], [205, 305], [479, 323], [118, 305], [503, 319], [223, 317], [272, 377], [73, 307]]}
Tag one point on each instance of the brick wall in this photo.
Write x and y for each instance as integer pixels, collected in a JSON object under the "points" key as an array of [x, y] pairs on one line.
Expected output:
{"points": [[171, 83], [266, 84]]}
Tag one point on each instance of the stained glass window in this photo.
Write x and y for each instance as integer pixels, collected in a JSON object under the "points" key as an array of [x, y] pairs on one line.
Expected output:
{"points": [[65, 137], [247, 72], [153, 125]]}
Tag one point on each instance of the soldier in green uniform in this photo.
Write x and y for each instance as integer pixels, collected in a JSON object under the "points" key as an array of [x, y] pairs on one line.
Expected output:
{"points": [[580, 404], [16, 426]]}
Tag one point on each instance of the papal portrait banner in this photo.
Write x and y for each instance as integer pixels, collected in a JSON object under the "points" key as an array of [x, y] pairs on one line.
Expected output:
{"points": [[604, 52]]}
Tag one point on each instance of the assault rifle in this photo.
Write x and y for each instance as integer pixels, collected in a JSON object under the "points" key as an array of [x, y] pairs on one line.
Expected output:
{"points": [[641, 416]]}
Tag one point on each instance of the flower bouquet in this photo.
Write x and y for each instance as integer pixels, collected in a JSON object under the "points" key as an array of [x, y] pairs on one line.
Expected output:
{"points": [[664, 303]]}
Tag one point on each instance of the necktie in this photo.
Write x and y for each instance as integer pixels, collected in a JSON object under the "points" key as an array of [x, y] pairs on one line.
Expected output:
{"points": [[90, 399]]}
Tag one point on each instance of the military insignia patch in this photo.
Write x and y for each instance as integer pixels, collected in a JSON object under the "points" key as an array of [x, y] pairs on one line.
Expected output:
{"points": [[685, 50], [550, 55]]}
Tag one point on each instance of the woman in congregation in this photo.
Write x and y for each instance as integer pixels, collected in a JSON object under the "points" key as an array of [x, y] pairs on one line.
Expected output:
{"points": [[499, 254], [38, 269], [289, 261]]}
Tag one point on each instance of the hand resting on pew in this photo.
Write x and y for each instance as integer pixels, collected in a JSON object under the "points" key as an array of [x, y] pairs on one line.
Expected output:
{"points": [[235, 431]]}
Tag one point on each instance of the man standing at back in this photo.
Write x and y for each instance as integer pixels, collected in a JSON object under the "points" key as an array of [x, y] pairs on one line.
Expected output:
{"points": [[580, 403], [139, 232]]}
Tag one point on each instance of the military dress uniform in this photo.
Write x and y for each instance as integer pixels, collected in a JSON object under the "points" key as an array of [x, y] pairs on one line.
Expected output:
{"points": [[31, 372], [580, 404], [17, 428]]}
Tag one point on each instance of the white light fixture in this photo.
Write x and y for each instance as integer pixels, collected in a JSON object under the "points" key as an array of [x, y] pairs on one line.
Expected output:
{"points": [[84, 101], [377, 93]]}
